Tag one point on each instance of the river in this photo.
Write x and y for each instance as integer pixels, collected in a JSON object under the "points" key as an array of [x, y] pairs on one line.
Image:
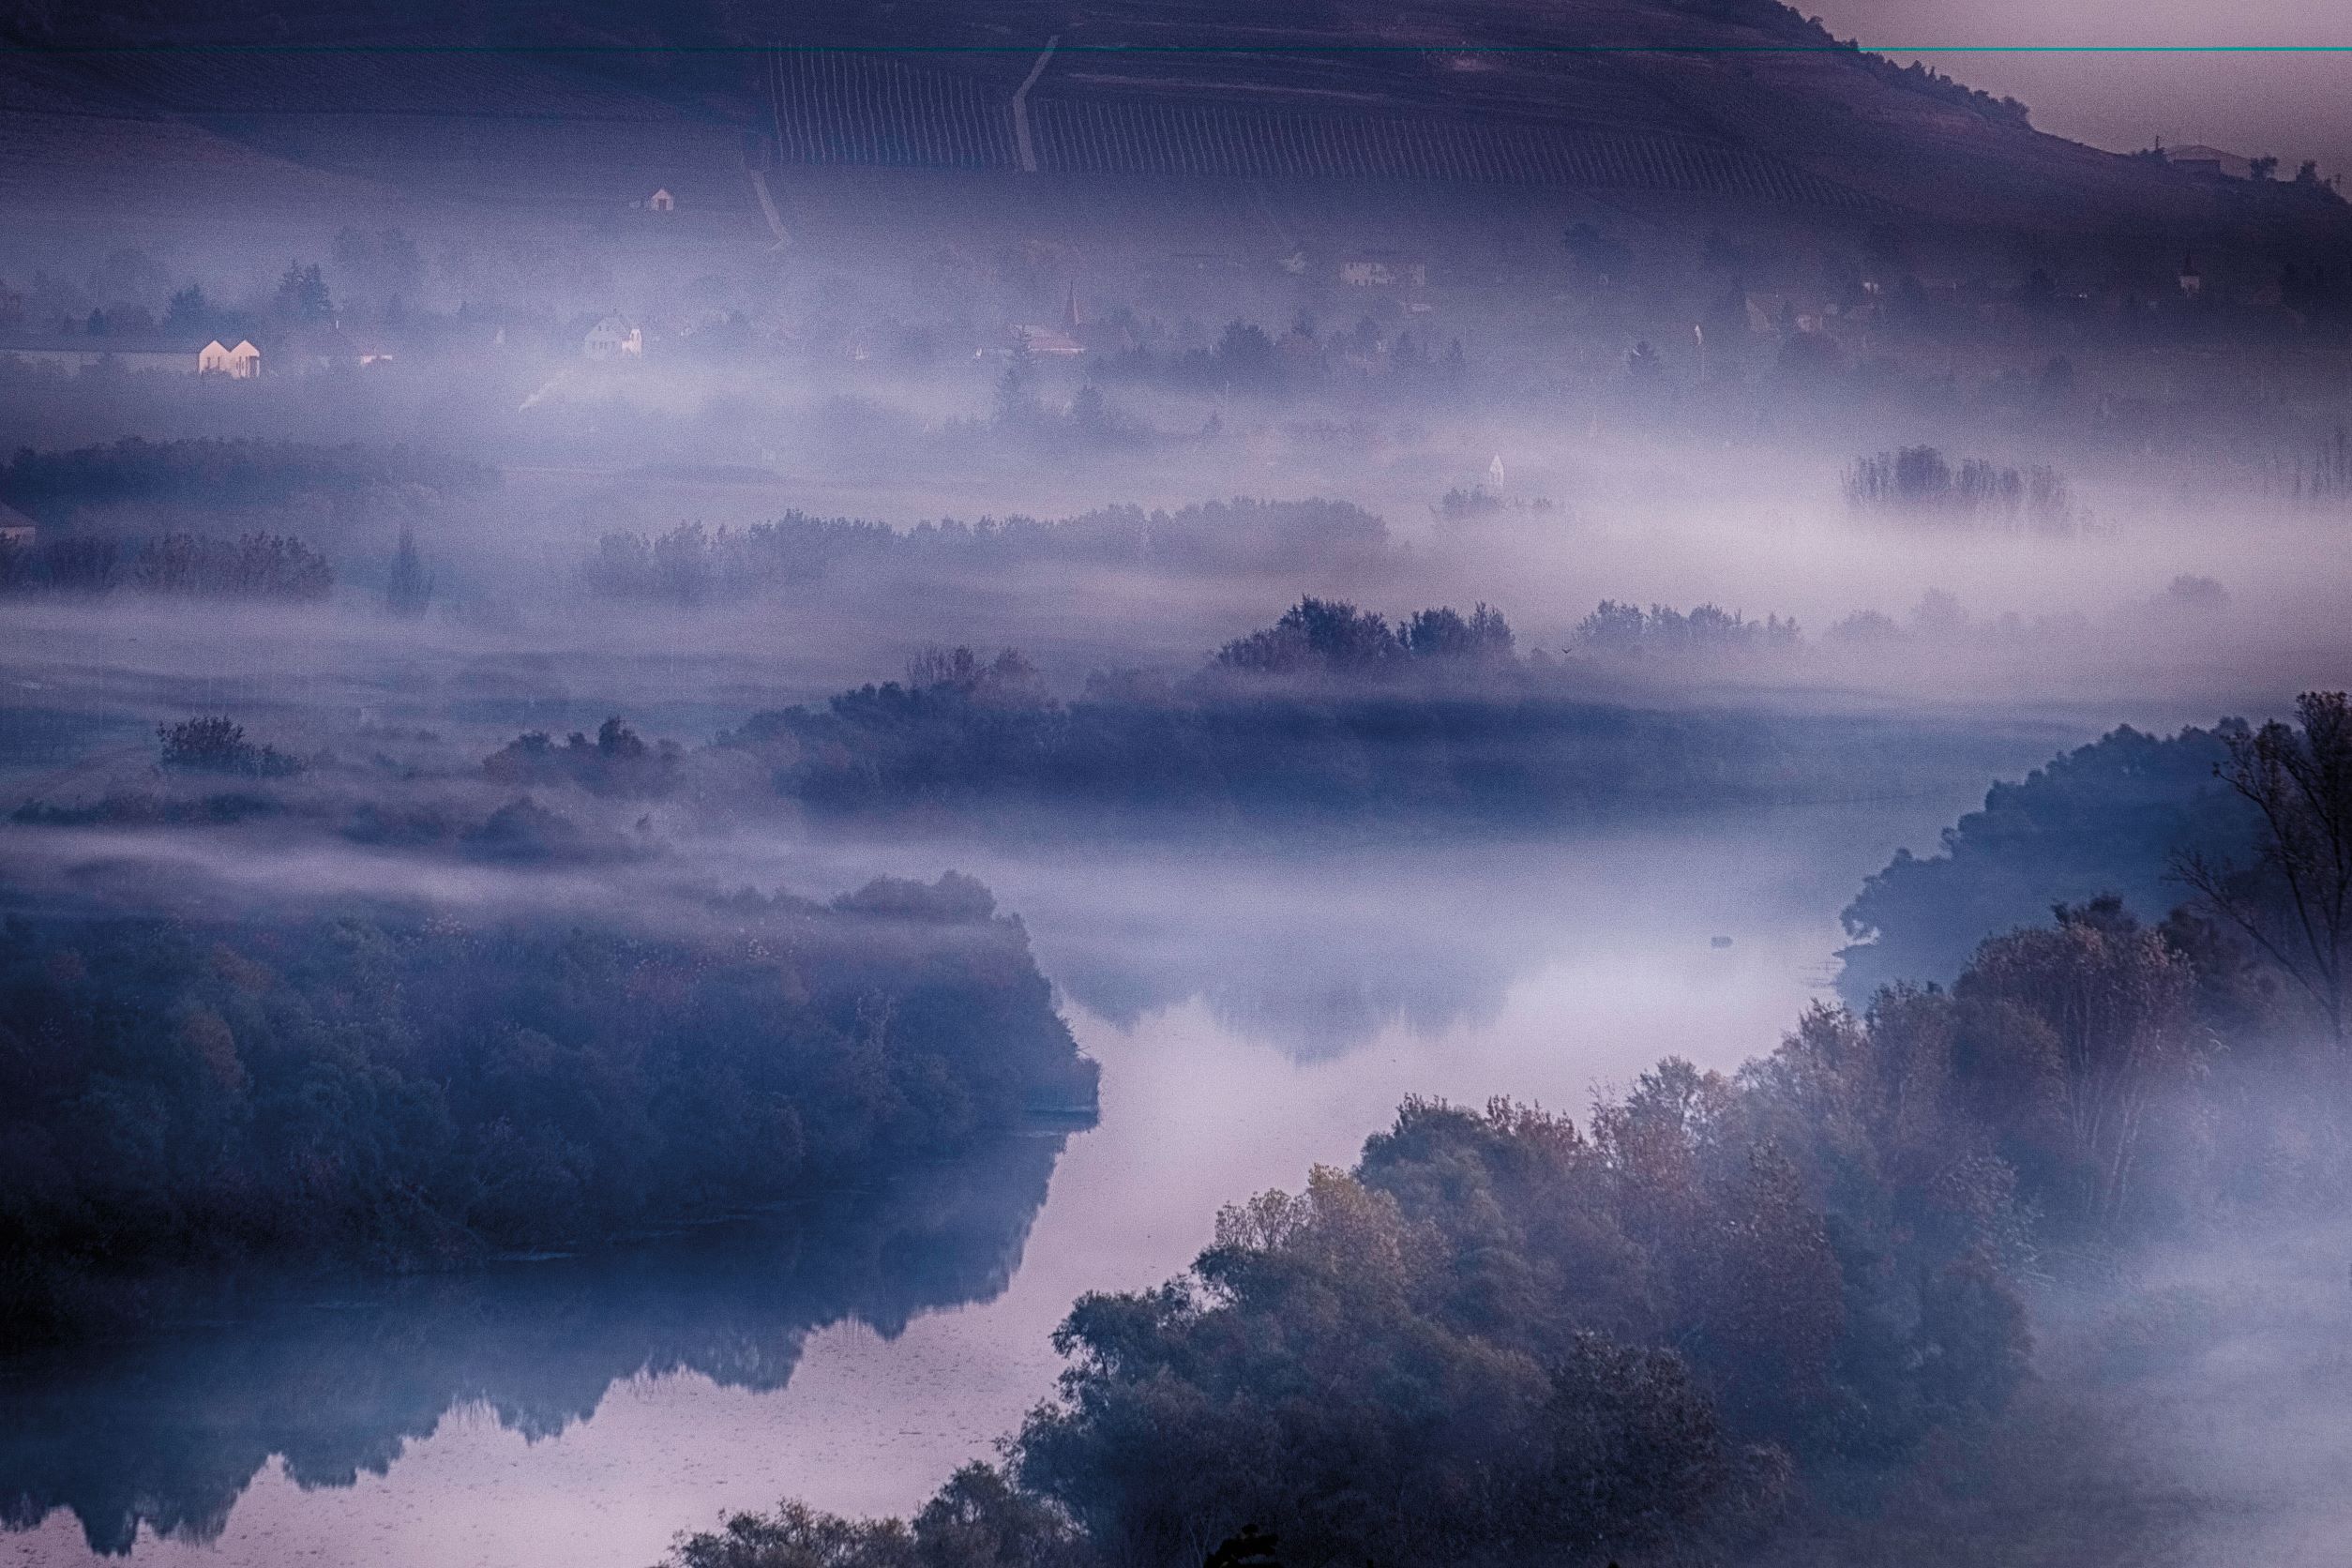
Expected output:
{"points": [[1254, 1015]]}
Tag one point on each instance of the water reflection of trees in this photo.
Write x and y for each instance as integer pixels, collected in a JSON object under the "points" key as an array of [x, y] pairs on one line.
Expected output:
{"points": [[1317, 949], [166, 1432], [1318, 952], [1314, 995]]}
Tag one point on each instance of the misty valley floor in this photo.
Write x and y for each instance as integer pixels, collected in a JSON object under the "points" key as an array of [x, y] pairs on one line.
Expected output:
{"points": [[1507, 783]]}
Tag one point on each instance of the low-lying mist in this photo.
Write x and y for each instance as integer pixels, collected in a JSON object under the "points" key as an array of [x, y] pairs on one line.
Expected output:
{"points": [[805, 765]]}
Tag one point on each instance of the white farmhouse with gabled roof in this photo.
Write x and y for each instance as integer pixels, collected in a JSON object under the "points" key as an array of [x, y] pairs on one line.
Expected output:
{"points": [[615, 339], [241, 362]]}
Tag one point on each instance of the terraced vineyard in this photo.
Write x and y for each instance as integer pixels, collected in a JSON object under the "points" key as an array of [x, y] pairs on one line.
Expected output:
{"points": [[1083, 137], [857, 108], [1742, 100]]}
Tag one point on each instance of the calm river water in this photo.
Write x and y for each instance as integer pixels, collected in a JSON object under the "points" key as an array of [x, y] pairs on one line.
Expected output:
{"points": [[1253, 1016]]}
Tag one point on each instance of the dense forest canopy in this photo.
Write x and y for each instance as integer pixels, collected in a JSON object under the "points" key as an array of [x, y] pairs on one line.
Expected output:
{"points": [[53, 487], [2106, 818], [1728, 1311], [690, 563], [395, 1087], [252, 566]]}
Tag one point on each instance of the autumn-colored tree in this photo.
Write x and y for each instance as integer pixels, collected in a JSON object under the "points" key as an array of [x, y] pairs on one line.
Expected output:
{"points": [[2068, 1036]]}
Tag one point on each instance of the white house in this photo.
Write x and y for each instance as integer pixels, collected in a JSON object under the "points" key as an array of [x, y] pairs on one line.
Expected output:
{"points": [[2200, 159], [15, 527], [241, 362], [660, 201], [615, 339]]}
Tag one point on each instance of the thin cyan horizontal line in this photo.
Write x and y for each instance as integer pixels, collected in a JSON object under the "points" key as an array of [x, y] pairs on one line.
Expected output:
{"points": [[1027, 50]]}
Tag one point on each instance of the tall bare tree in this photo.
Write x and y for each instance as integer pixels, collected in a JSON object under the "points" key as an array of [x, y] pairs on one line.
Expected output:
{"points": [[2294, 902]]}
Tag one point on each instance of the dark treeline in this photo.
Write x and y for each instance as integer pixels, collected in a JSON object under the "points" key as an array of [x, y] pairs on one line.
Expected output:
{"points": [[52, 486], [254, 565], [518, 834], [218, 745], [1332, 715], [1330, 711], [393, 1089], [1326, 637], [2105, 818], [1625, 631], [690, 562], [1301, 359], [209, 772], [1919, 481], [193, 1417]]}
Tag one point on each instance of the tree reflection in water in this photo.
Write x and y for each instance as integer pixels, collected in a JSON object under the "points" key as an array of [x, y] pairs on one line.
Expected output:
{"points": [[167, 1431]]}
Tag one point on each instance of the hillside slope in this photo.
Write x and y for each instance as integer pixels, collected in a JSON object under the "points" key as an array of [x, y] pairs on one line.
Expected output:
{"points": [[1736, 99]]}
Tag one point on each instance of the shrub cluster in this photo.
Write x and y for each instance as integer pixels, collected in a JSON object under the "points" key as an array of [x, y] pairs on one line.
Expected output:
{"points": [[1919, 481], [218, 745]]}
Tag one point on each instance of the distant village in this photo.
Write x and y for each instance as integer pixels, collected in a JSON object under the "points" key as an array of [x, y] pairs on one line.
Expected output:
{"points": [[1636, 296]]}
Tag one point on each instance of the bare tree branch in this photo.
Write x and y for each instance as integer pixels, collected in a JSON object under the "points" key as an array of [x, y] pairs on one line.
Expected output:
{"points": [[2294, 903]]}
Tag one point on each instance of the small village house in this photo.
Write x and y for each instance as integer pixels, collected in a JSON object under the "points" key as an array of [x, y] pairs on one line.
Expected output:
{"points": [[615, 339], [241, 362], [2197, 158]]}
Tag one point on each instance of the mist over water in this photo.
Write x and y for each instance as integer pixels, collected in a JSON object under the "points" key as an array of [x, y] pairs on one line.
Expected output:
{"points": [[1253, 1016], [1186, 768]]}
